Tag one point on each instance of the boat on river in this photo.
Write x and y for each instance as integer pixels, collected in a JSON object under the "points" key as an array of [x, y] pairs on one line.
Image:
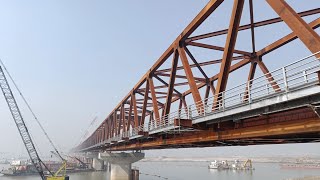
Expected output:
{"points": [[237, 165], [219, 165], [26, 168]]}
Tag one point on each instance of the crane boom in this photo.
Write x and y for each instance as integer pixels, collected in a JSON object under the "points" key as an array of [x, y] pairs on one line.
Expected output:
{"points": [[33, 114], [22, 128]]}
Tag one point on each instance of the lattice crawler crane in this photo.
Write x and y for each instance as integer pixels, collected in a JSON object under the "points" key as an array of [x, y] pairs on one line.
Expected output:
{"points": [[24, 132]]}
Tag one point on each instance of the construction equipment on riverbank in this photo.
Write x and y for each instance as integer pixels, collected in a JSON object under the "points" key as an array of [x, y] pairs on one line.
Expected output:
{"points": [[23, 130]]}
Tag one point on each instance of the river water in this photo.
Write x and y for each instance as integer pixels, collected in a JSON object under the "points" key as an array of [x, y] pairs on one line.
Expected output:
{"points": [[195, 171]]}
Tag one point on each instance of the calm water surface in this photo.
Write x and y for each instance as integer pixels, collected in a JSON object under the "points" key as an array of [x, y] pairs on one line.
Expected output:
{"points": [[194, 171]]}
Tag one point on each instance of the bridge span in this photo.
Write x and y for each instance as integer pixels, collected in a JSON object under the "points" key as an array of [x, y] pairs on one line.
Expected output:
{"points": [[286, 112], [183, 106]]}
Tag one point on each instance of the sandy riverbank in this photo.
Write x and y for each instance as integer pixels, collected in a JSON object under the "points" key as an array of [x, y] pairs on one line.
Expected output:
{"points": [[255, 159]]}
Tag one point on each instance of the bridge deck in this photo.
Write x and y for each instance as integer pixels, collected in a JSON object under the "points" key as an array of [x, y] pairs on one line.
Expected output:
{"points": [[146, 118], [294, 87]]}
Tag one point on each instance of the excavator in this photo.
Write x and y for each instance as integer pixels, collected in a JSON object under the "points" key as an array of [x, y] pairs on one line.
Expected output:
{"points": [[248, 165], [24, 132], [82, 164]]}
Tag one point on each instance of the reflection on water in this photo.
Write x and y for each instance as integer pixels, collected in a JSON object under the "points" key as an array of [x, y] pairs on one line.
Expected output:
{"points": [[232, 174], [194, 171], [249, 171]]}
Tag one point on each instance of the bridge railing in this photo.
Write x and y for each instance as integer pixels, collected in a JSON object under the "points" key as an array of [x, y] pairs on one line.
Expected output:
{"points": [[297, 74], [283, 80], [168, 120]]}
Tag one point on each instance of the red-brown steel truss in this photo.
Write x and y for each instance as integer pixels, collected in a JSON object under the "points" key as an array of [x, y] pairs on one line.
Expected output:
{"points": [[160, 88]]}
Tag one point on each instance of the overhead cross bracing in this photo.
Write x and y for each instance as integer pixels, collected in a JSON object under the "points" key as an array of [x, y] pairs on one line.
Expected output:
{"points": [[179, 78]]}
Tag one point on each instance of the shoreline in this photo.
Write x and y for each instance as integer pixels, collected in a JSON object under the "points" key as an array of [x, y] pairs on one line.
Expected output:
{"points": [[303, 160]]}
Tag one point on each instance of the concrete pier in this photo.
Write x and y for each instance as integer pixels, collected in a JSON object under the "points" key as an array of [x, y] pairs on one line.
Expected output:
{"points": [[97, 164], [121, 164]]}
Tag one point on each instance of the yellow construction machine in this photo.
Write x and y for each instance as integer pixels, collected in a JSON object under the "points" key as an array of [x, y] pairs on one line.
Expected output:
{"points": [[60, 174]]}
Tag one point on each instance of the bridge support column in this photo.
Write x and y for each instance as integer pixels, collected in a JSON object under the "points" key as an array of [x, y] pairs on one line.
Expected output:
{"points": [[97, 164], [121, 164]]}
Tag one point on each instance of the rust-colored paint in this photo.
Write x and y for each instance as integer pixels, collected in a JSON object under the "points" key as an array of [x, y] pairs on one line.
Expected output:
{"points": [[253, 42], [180, 76], [248, 26], [183, 122], [200, 64], [135, 110], [229, 47], [196, 63], [154, 99], [250, 77], [145, 101], [207, 46], [268, 75], [285, 40], [171, 83], [193, 86], [305, 33], [132, 111], [311, 125]]}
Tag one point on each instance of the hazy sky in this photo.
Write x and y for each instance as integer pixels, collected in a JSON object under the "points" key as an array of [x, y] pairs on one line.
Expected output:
{"points": [[76, 59]]}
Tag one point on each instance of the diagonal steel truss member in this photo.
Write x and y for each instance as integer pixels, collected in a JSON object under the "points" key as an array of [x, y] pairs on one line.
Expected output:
{"points": [[154, 94]]}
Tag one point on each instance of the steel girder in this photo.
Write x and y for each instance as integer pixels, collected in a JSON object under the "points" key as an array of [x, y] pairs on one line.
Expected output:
{"points": [[163, 84]]}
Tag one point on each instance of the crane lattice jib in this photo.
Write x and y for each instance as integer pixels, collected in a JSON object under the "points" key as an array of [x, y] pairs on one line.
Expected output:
{"points": [[18, 119]]}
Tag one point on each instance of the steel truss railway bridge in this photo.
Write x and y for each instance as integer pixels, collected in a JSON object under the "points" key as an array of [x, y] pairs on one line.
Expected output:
{"points": [[176, 107]]}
